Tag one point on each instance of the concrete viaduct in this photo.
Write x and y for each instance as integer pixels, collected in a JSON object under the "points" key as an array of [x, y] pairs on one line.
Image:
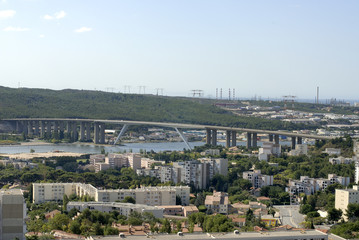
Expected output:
{"points": [[81, 129]]}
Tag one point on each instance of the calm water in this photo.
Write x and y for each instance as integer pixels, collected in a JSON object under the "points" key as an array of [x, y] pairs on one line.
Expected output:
{"points": [[85, 148]]}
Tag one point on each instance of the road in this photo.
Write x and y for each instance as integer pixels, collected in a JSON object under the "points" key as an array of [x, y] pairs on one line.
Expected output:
{"points": [[289, 215]]}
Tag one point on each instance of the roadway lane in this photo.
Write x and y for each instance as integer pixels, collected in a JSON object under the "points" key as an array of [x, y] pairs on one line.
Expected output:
{"points": [[289, 215]]}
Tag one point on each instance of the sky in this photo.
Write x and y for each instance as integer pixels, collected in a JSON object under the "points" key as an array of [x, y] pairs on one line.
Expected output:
{"points": [[260, 48]]}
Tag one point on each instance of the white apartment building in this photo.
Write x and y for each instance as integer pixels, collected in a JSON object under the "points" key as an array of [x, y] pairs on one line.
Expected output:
{"points": [[195, 172], [333, 151], [341, 160], [124, 209], [218, 203], [12, 214], [267, 149], [134, 161], [152, 196], [300, 149], [345, 196], [311, 185], [258, 179]]}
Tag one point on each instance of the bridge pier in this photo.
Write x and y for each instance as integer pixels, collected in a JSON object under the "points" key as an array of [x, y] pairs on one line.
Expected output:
{"points": [[234, 138], [88, 131], [254, 140], [270, 137], [249, 140], [102, 133], [96, 133], [228, 138], [48, 128], [276, 139], [293, 142], [42, 128], [214, 137], [36, 128], [74, 131], [208, 136], [299, 140], [82, 131], [29, 128]]}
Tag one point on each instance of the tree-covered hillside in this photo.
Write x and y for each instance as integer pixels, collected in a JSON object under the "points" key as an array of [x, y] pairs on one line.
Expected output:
{"points": [[24, 103]]}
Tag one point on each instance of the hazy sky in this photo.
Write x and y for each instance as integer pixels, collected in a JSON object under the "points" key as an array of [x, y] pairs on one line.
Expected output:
{"points": [[265, 48]]}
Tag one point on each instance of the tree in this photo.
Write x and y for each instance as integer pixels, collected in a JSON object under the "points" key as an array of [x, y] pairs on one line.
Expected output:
{"points": [[306, 208], [166, 226], [129, 199], [334, 214], [352, 211], [59, 221]]}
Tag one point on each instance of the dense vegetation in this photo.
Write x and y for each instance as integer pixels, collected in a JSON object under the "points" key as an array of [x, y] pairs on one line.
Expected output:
{"points": [[24, 103]]}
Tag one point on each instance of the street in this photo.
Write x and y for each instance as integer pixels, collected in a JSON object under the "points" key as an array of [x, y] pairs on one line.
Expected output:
{"points": [[289, 215]]}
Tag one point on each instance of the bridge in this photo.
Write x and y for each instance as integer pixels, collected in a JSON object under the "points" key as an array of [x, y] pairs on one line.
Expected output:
{"points": [[81, 129]]}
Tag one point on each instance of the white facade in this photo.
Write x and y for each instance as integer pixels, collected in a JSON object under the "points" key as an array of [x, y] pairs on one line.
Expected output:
{"points": [[311, 185], [123, 208], [218, 202], [341, 160], [300, 149], [345, 196], [356, 178], [333, 151], [152, 196], [258, 179]]}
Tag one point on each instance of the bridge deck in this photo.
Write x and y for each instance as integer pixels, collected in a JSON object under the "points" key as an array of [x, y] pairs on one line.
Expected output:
{"points": [[177, 125]]}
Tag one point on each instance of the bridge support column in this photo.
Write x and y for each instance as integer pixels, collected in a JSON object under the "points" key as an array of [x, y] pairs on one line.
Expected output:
{"points": [[276, 139], [228, 139], [48, 129], [214, 137], [36, 128], [234, 138], [29, 127], [293, 142], [96, 133], [42, 128], [249, 140], [24, 127], [254, 140], [300, 140], [75, 135], [18, 127], [82, 131], [88, 131], [208, 136], [270, 137], [56, 127], [102, 133]]}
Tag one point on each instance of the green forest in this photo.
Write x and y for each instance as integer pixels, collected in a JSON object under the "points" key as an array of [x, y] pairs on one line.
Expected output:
{"points": [[45, 103]]}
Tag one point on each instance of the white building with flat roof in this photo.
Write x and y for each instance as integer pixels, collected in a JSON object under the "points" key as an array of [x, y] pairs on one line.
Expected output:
{"points": [[153, 196], [123, 208], [258, 179], [345, 196]]}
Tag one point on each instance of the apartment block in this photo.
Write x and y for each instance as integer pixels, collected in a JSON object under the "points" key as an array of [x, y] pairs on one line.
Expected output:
{"points": [[195, 172], [151, 196], [267, 149], [341, 160], [311, 185], [356, 178], [12, 214], [345, 196], [218, 203], [123, 208], [258, 179], [300, 149], [333, 151]]}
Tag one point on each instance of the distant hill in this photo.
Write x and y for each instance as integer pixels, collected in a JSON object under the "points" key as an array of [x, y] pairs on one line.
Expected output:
{"points": [[26, 102]]}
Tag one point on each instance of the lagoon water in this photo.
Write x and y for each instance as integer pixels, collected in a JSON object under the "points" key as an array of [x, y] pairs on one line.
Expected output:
{"points": [[90, 148]]}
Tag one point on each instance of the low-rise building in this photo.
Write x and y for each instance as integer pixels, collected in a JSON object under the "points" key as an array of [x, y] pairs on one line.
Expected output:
{"points": [[300, 149], [123, 208], [176, 210], [188, 210]]}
